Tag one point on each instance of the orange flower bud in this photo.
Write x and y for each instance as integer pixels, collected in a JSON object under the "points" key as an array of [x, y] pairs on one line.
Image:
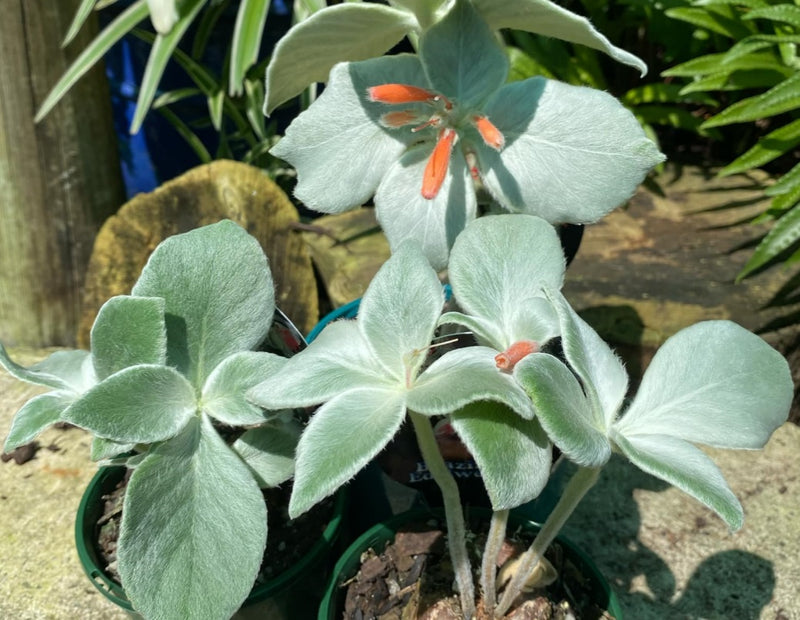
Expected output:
{"points": [[436, 169], [513, 354], [399, 93], [491, 135], [399, 118]]}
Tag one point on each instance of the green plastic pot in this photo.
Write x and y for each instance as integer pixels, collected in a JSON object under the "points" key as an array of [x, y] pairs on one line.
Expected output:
{"points": [[349, 563], [293, 594]]}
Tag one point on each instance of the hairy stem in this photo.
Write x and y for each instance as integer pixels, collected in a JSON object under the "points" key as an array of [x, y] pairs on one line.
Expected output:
{"points": [[456, 531], [579, 484], [494, 542]]}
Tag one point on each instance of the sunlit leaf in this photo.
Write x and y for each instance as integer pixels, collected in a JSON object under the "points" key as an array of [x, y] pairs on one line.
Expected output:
{"points": [[157, 60], [92, 53], [246, 40], [194, 529]]}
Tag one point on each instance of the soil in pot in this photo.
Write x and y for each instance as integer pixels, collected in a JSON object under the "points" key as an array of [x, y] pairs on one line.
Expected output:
{"points": [[412, 577]]}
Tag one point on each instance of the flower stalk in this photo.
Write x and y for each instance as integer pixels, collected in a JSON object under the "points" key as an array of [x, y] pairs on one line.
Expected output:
{"points": [[456, 530]]}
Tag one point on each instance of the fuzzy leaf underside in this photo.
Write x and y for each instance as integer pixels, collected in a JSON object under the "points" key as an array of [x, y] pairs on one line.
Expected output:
{"points": [[346, 32], [464, 376], [128, 331], [107, 449], [194, 529], [563, 410], [224, 394], [684, 466], [497, 269], [549, 19], [36, 415], [140, 404], [219, 295], [62, 370], [269, 452], [343, 436], [713, 383], [513, 454], [604, 378]]}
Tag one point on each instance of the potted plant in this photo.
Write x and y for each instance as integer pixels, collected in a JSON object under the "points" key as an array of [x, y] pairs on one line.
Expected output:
{"points": [[163, 393], [431, 135]]}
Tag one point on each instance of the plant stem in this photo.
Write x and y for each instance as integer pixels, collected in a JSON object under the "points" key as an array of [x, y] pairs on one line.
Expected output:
{"points": [[494, 542], [456, 531], [579, 484]]}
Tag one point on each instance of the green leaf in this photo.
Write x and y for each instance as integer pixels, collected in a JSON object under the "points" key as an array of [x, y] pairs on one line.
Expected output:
{"points": [[563, 410], [684, 466], [738, 80], [604, 378], [63, 370], [571, 153], [160, 54], [93, 52], [81, 14], [463, 376], [713, 383], [716, 64], [461, 56], [343, 436], [344, 32], [35, 416], [140, 404], [787, 13], [513, 455], [757, 42], [781, 98], [773, 145], [192, 139], [251, 19], [504, 288], [661, 93], [783, 235], [269, 452], [128, 331], [549, 19], [219, 295], [224, 392], [194, 529], [255, 99], [726, 25], [787, 183]]}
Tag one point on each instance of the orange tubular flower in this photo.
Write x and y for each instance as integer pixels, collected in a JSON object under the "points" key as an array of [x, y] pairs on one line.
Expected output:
{"points": [[513, 354], [399, 93], [491, 135], [438, 162]]}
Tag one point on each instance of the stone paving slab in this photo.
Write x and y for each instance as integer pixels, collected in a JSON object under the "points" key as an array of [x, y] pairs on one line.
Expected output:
{"points": [[669, 557], [40, 575]]}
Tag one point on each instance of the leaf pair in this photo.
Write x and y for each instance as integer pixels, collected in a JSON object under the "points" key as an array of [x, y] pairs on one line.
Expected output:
{"points": [[713, 383]]}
